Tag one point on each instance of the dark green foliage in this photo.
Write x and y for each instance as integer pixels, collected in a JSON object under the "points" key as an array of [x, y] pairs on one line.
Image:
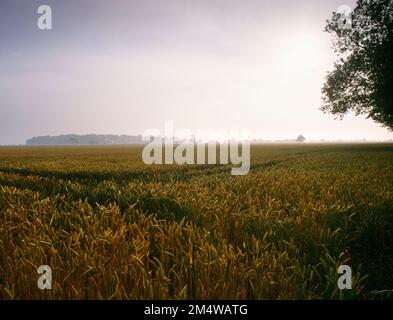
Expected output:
{"points": [[362, 80]]}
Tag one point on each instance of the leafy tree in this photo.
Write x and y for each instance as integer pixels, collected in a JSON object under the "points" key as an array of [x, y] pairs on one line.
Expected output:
{"points": [[300, 138], [362, 79]]}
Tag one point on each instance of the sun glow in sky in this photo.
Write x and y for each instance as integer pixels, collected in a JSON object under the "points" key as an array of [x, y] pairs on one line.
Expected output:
{"points": [[303, 53], [121, 67]]}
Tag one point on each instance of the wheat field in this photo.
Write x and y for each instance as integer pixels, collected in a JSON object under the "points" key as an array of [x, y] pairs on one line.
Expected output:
{"points": [[112, 227]]}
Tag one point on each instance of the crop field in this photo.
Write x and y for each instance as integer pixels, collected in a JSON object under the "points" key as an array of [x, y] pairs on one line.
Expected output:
{"points": [[111, 227]]}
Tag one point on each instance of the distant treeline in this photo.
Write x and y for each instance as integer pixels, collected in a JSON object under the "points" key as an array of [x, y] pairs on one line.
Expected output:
{"points": [[88, 139]]}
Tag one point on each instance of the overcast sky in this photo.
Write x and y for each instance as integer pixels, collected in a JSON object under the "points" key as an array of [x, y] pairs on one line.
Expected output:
{"points": [[121, 67]]}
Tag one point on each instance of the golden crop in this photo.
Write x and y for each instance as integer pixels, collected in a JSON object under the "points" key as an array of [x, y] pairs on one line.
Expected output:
{"points": [[112, 227]]}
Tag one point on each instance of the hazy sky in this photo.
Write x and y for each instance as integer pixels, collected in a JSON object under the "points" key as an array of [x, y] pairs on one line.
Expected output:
{"points": [[120, 67]]}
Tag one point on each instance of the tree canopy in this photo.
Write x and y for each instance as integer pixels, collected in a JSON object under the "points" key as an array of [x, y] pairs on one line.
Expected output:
{"points": [[362, 79]]}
